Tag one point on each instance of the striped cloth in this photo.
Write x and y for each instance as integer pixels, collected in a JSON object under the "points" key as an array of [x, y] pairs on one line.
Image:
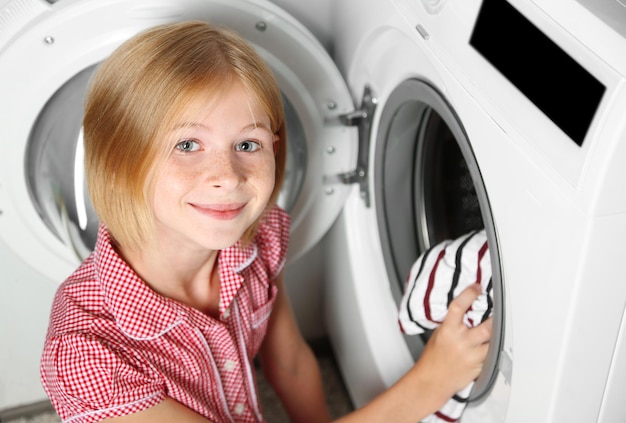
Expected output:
{"points": [[436, 278]]}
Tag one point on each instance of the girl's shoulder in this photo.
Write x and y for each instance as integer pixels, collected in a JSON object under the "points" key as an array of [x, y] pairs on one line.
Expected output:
{"points": [[272, 238]]}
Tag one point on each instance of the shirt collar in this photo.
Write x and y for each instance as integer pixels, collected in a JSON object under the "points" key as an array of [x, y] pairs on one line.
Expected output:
{"points": [[143, 314], [232, 261]]}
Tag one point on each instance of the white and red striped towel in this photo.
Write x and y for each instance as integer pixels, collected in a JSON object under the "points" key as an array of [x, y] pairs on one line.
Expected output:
{"points": [[436, 278]]}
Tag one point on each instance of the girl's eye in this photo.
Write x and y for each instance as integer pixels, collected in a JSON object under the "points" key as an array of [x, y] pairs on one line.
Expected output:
{"points": [[247, 146], [187, 146]]}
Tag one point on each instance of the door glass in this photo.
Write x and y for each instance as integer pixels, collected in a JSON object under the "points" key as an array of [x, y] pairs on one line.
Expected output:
{"points": [[54, 167], [55, 170]]}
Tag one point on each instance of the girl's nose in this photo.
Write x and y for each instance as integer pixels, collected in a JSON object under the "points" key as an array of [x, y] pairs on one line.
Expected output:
{"points": [[224, 171]]}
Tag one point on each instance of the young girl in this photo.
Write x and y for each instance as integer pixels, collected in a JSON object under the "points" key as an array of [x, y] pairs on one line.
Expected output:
{"points": [[185, 154]]}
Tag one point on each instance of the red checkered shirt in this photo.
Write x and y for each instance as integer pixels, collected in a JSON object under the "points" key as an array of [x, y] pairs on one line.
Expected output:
{"points": [[115, 347]]}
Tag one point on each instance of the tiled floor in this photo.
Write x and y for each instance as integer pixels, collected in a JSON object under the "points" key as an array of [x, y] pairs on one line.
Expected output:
{"points": [[336, 395]]}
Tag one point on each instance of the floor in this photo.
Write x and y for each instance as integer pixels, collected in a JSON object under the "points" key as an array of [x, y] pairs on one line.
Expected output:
{"points": [[336, 395]]}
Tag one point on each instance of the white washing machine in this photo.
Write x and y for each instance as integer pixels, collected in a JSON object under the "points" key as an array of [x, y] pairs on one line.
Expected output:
{"points": [[507, 115], [48, 50]]}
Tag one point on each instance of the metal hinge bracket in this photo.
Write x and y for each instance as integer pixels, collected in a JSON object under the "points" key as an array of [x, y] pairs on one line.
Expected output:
{"points": [[363, 119]]}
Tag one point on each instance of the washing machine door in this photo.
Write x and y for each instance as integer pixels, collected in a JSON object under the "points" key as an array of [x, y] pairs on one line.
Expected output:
{"points": [[429, 189], [48, 51]]}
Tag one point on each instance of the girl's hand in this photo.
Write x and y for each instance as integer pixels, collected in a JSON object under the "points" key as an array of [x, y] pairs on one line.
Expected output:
{"points": [[454, 354]]}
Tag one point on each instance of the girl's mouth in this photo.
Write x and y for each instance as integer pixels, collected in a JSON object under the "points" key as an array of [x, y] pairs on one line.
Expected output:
{"points": [[220, 211]]}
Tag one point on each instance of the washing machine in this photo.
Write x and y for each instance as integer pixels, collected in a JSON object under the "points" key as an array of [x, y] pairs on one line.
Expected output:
{"points": [[48, 51], [506, 115]]}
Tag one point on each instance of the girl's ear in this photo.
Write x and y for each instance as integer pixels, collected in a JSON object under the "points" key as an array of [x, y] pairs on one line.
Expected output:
{"points": [[275, 144]]}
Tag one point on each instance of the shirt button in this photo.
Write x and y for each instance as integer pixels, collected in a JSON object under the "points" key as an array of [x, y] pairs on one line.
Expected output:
{"points": [[226, 313], [230, 365], [239, 408]]}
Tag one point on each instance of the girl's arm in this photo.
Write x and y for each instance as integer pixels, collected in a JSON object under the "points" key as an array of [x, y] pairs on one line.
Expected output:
{"points": [[452, 358], [290, 366]]}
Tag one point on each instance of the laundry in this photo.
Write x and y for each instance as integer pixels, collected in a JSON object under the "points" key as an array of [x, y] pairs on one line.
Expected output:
{"points": [[436, 278]]}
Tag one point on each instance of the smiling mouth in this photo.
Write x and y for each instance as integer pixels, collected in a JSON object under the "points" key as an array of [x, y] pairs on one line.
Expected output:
{"points": [[220, 211]]}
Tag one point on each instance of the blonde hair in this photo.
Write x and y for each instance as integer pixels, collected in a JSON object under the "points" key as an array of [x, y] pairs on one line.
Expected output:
{"points": [[135, 96]]}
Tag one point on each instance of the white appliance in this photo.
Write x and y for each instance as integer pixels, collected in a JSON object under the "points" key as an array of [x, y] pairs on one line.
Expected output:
{"points": [[48, 50], [507, 114]]}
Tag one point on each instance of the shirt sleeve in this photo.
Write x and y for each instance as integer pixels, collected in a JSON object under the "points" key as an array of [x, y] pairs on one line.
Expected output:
{"points": [[273, 240], [88, 380]]}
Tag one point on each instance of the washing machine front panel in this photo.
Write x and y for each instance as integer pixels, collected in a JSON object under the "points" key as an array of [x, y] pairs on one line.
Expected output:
{"points": [[558, 208], [600, 25], [470, 36], [47, 54]]}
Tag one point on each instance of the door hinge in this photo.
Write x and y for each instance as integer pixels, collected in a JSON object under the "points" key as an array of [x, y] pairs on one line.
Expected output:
{"points": [[363, 119]]}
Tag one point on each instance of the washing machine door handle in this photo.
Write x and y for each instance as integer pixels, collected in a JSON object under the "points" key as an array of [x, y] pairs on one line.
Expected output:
{"points": [[363, 119]]}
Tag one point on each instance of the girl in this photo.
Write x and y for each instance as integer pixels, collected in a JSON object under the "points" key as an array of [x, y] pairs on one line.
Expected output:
{"points": [[185, 153]]}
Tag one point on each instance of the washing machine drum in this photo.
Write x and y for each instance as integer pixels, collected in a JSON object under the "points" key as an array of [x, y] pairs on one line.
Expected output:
{"points": [[48, 52], [427, 182]]}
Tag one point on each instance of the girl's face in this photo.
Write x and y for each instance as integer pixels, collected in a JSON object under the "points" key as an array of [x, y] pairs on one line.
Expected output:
{"points": [[219, 175]]}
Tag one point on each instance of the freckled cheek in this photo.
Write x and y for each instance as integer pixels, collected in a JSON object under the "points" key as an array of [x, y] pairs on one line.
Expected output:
{"points": [[267, 170], [258, 166], [177, 182]]}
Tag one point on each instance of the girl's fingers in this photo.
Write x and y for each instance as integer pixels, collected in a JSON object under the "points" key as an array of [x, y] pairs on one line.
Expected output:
{"points": [[463, 302], [482, 333]]}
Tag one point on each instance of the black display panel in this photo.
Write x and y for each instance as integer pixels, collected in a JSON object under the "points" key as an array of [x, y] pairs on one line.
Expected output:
{"points": [[558, 85]]}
